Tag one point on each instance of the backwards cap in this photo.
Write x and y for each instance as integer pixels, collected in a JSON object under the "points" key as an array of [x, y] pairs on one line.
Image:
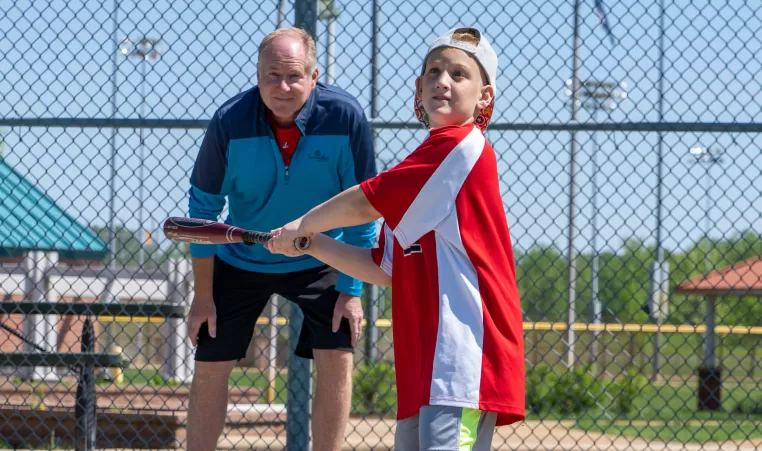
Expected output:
{"points": [[484, 55]]}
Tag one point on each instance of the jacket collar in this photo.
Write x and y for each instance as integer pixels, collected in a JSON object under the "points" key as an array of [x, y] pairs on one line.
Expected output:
{"points": [[302, 119]]}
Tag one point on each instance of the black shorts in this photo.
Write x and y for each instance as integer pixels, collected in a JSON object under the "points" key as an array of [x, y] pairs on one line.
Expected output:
{"points": [[240, 296]]}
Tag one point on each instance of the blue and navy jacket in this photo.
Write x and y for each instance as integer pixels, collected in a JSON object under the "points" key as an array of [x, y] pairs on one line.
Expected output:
{"points": [[240, 159]]}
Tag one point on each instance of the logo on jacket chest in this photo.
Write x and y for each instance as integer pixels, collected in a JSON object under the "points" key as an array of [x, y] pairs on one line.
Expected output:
{"points": [[318, 156]]}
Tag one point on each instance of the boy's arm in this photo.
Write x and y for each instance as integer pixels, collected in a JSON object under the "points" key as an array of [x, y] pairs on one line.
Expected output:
{"points": [[353, 261], [414, 197], [358, 164], [348, 208]]}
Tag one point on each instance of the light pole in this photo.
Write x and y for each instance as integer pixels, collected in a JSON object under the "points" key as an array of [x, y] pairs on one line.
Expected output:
{"points": [[573, 85], [281, 13], [329, 13], [142, 48], [598, 96], [708, 156], [112, 159], [709, 374], [659, 269]]}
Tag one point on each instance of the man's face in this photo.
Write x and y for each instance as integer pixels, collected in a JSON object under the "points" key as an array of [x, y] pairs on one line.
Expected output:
{"points": [[285, 78]]}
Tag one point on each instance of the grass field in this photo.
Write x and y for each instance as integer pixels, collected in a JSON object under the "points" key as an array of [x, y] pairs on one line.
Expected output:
{"points": [[670, 412], [239, 378]]}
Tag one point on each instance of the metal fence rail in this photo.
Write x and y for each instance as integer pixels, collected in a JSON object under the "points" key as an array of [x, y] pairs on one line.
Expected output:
{"points": [[630, 160]]}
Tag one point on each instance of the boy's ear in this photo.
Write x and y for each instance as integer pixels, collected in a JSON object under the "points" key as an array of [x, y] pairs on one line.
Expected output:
{"points": [[418, 86], [488, 95]]}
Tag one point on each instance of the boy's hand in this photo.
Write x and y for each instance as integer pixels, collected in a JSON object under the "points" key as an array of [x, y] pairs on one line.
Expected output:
{"points": [[283, 239], [349, 307]]}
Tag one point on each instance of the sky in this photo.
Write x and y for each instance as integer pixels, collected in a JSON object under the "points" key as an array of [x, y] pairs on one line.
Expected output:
{"points": [[58, 62]]}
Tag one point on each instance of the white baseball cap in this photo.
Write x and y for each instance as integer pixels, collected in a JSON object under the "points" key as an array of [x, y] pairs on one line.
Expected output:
{"points": [[483, 52]]}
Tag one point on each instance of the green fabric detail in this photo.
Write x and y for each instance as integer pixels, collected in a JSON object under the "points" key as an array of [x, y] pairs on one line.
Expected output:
{"points": [[469, 423]]}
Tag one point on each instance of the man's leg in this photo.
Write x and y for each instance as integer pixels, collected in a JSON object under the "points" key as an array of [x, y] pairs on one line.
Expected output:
{"points": [[239, 298], [207, 405], [333, 397]]}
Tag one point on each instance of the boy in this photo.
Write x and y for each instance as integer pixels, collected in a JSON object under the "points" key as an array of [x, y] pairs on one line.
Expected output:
{"points": [[446, 251]]}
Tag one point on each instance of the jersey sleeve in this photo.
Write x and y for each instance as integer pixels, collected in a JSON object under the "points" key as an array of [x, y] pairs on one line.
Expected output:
{"points": [[383, 255], [416, 195]]}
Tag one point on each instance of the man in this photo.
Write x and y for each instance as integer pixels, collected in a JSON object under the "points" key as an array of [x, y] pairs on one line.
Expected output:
{"points": [[275, 151]]}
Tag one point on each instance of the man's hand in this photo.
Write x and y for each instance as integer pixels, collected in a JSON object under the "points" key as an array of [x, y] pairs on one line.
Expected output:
{"points": [[202, 311], [349, 307]]}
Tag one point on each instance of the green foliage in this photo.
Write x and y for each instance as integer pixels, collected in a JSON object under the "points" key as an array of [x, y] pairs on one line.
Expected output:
{"points": [[374, 389], [540, 380], [624, 281], [625, 389], [750, 406], [567, 392], [541, 276], [128, 246], [576, 392]]}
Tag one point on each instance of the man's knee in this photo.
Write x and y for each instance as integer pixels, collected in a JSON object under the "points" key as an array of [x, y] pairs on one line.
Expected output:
{"points": [[209, 372], [333, 360]]}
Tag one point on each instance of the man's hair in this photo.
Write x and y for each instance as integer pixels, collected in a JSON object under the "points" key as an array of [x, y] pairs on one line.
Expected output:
{"points": [[307, 41]]}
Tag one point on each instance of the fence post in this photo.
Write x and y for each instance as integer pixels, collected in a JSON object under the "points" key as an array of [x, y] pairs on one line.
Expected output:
{"points": [[299, 402], [175, 349], [272, 349], [84, 408], [38, 328], [371, 329], [109, 295], [298, 405]]}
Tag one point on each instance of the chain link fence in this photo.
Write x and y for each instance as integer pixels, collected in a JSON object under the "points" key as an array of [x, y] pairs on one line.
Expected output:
{"points": [[630, 168]]}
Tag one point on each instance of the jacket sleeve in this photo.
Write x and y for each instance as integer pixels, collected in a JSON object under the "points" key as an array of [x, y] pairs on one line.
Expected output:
{"points": [[360, 166], [208, 182]]}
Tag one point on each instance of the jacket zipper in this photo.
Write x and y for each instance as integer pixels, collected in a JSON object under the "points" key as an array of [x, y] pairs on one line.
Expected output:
{"points": [[293, 156], [279, 155]]}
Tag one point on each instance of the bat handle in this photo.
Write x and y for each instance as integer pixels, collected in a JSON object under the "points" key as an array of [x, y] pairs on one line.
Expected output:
{"points": [[302, 243], [251, 237]]}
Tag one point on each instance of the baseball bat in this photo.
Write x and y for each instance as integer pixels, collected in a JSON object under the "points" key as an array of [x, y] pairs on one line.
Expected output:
{"points": [[202, 231]]}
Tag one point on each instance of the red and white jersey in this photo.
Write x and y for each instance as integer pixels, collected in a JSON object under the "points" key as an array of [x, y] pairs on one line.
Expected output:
{"points": [[457, 325]]}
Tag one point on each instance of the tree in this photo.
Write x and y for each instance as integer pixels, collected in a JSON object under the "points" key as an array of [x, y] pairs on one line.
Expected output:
{"points": [[541, 276], [127, 247]]}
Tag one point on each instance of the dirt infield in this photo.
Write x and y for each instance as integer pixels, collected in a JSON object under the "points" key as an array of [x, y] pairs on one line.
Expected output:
{"points": [[378, 434]]}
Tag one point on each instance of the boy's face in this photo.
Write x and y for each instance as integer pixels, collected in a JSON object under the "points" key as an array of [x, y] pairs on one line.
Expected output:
{"points": [[451, 88]]}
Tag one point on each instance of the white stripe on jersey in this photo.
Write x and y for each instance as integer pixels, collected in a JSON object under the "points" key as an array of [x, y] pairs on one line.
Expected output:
{"points": [[436, 199], [456, 375]]}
